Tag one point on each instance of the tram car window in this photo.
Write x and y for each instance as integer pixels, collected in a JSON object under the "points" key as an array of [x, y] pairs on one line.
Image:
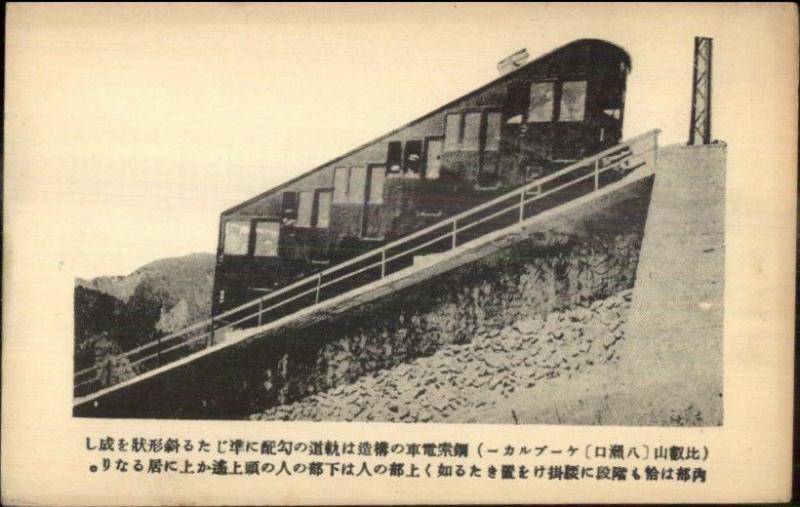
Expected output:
{"points": [[237, 237], [266, 239], [541, 102], [573, 101], [323, 209]]}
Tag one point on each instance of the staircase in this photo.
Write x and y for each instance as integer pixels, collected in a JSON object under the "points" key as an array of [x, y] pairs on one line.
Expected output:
{"points": [[376, 271]]}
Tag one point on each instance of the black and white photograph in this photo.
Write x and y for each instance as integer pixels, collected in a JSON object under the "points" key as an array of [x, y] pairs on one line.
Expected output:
{"points": [[517, 254], [400, 252]]}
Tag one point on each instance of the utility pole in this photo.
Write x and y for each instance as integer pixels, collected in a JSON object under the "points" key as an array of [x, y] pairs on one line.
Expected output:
{"points": [[700, 125]]}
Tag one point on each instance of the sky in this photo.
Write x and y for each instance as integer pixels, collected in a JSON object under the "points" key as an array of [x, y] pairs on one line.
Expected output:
{"points": [[130, 128]]}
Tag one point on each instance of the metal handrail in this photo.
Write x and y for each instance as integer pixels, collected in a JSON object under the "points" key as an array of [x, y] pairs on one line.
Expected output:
{"points": [[208, 327]]}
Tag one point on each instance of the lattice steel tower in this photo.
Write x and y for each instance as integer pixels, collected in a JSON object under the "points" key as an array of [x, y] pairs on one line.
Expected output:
{"points": [[700, 125]]}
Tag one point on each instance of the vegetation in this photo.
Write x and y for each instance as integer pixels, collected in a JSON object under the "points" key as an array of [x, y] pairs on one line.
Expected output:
{"points": [[117, 313]]}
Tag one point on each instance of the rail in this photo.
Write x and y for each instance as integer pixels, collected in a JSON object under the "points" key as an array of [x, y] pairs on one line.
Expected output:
{"points": [[581, 178]]}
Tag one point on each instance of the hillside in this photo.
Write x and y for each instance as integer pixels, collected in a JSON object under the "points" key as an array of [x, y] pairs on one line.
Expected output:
{"points": [[117, 313]]}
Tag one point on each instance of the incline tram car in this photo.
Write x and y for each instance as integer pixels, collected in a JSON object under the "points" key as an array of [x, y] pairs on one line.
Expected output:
{"points": [[559, 108]]}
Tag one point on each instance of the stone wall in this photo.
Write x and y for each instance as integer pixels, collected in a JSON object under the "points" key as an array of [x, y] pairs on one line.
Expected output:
{"points": [[473, 382], [529, 280]]}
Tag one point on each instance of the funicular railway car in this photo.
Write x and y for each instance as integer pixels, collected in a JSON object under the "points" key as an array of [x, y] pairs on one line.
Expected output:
{"points": [[559, 108]]}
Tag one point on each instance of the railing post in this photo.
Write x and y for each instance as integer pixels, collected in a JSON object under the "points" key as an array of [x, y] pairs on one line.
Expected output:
{"points": [[383, 262], [211, 334], [596, 174], [521, 206], [319, 284], [453, 243], [260, 309]]}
